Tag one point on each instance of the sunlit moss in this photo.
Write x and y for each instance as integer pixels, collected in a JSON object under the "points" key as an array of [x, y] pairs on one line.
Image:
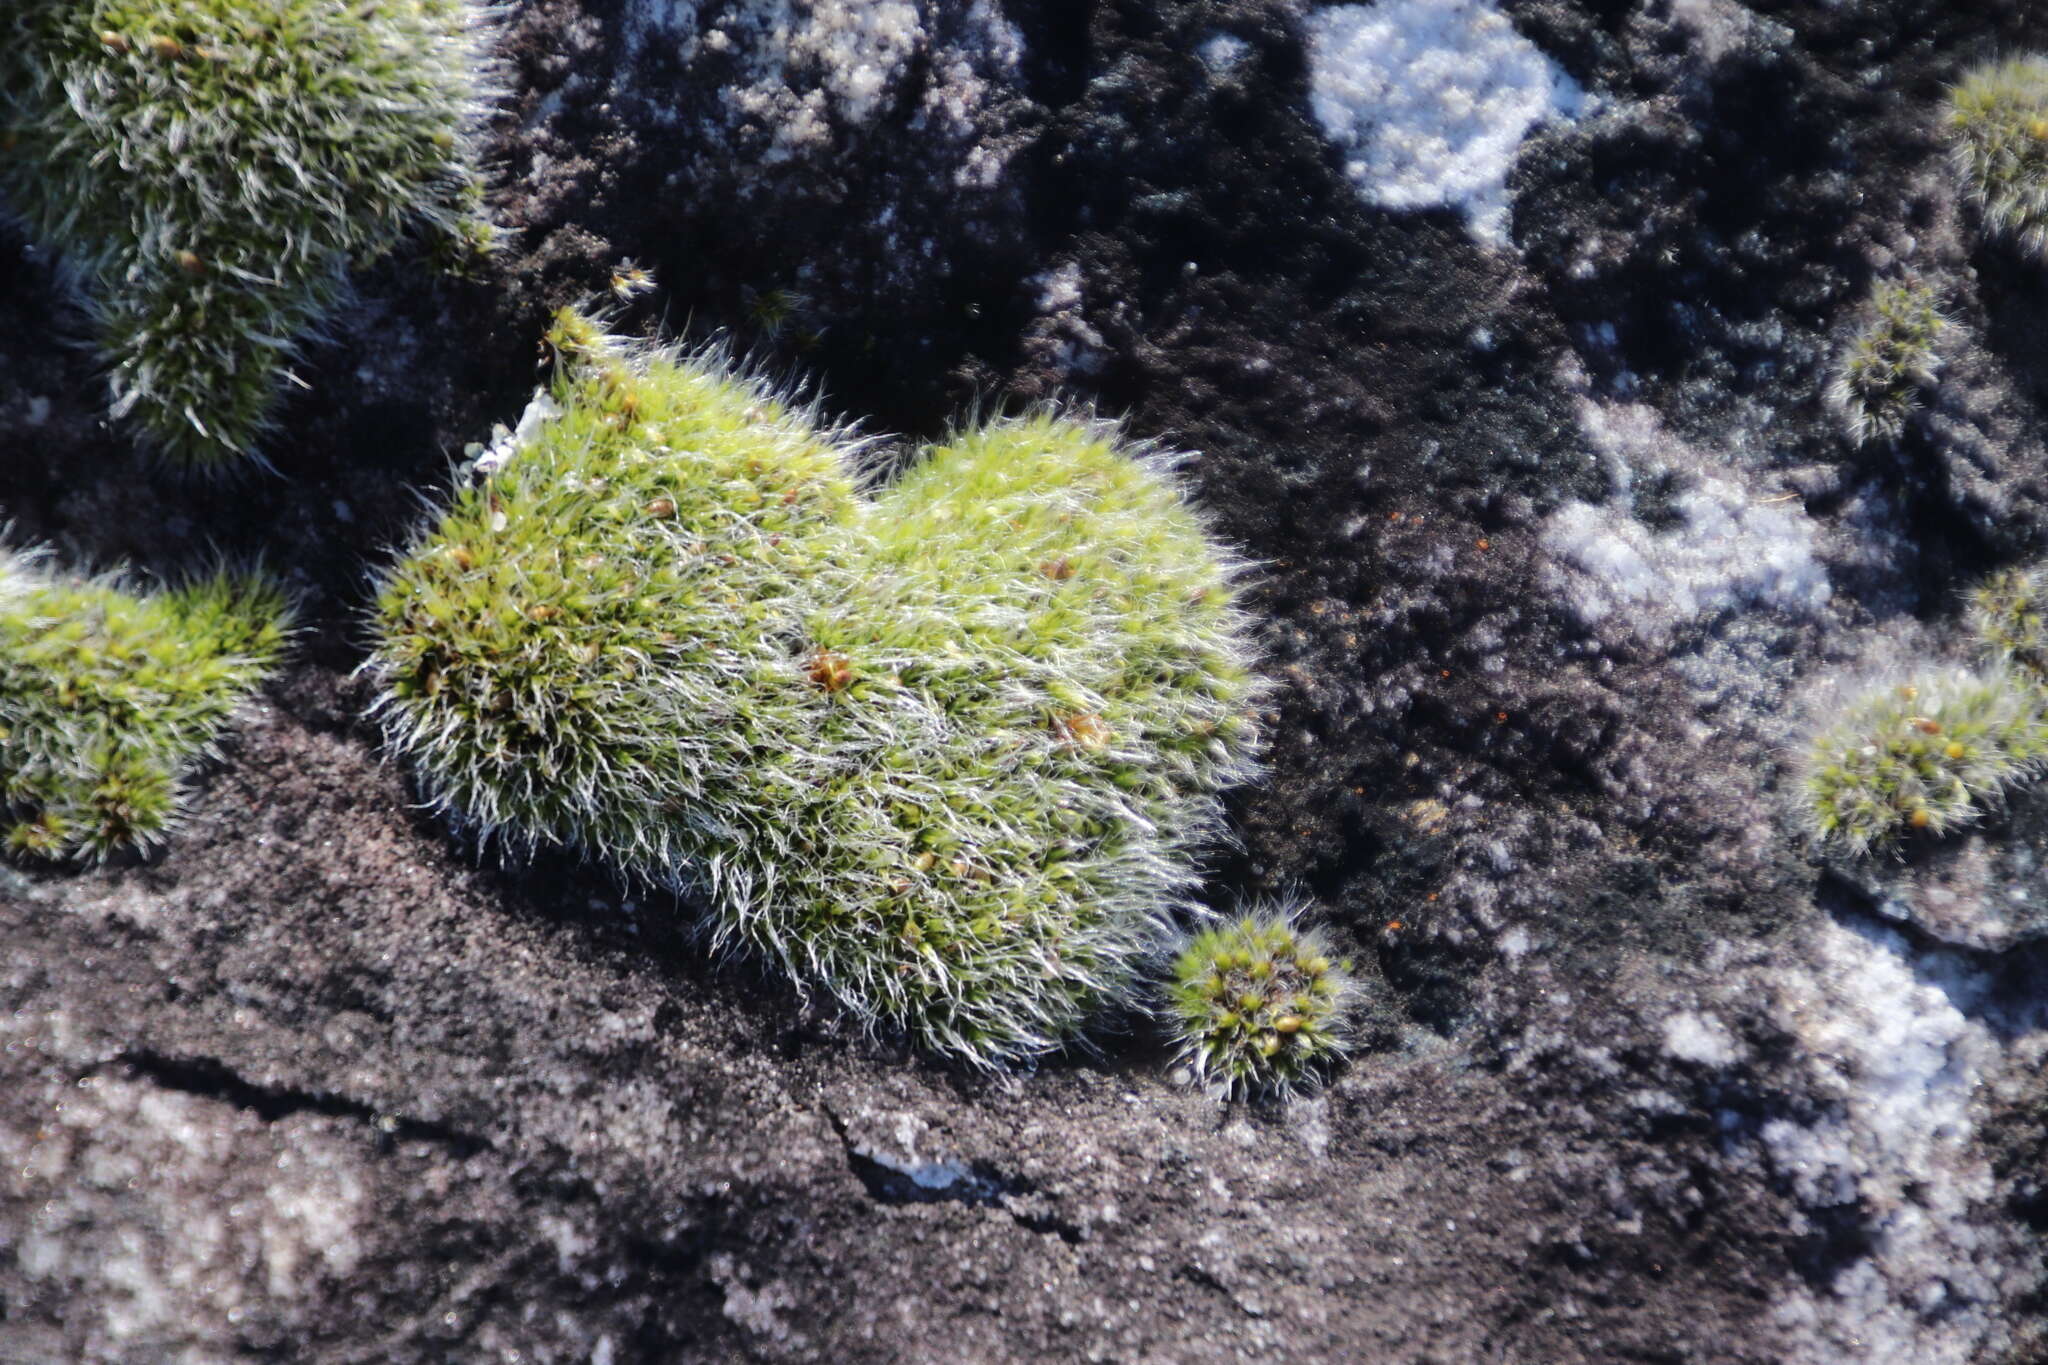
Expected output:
{"points": [[943, 753], [109, 695], [207, 170], [1260, 1005]]}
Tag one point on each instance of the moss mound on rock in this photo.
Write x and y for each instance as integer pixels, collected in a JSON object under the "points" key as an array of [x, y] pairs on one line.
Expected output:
{"points": [[207, 170], [942, 753], [108, 697]]}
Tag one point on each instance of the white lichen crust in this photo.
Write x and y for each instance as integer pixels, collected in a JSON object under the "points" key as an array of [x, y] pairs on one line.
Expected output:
{"points": [[1428, 102]]}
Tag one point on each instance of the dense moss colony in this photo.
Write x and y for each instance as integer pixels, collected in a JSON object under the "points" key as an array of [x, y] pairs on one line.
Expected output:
{"points": [[1259, 1005], [109, 695], [1998, 116], [944, 752], [206, 171]]}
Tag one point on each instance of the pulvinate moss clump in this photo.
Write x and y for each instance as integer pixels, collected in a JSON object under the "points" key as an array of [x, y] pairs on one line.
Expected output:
{"points": [[207, 170], [1923, 757], [110, 695], [1998, 118], [2007, 617], [942, 753], [1260, 1005], [1893, 357]]}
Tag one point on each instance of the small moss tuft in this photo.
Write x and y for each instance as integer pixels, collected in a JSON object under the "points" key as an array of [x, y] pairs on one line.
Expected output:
{"points": [[1877, 381], [1998, 116], [1260, 1006], [2007, 617], [1922, 757], [108, 696]]}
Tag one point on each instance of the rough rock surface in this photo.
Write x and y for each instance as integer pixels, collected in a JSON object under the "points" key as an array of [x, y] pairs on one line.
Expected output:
{"points": [[1562, 554]]}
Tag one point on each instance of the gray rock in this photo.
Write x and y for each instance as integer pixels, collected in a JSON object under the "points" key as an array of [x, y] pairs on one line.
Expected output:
{"points": [[1982, 889]]}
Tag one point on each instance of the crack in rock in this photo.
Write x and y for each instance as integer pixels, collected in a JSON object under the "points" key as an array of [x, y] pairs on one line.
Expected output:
{"points": [[892, 1180], [210, 1078]]}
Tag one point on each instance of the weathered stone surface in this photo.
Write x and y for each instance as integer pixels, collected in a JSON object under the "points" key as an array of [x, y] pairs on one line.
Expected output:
{"points": [[1982, 890], [1561, 553]]}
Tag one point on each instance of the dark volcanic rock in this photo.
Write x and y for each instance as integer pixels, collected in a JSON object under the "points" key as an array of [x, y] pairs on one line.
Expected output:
{"points": [[1562, 557]]}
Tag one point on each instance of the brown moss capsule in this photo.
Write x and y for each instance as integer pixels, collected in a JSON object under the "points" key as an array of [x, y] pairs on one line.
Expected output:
{"points": [[1083, 731], [830, 670]]}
